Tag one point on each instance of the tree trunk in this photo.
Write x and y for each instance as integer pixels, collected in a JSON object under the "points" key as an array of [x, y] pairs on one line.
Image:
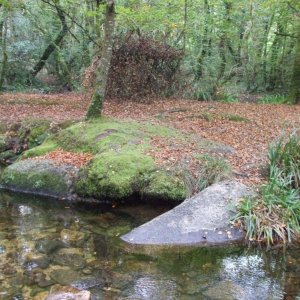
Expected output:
{"points": [[95, 108], [52, 46], [294, 93], [3, 38]]}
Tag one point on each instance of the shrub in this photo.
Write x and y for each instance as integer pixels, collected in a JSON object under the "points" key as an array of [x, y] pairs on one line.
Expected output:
{"points": [[213, 169], [274, 216], [273, 99], [284, 161]]}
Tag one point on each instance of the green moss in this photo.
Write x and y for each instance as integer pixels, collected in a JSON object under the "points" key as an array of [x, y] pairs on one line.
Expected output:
{"points": [[28, 176], [34, 131], [165, 186], [46, 147], [114, 175], [121, 166], [95, 109], [7, 157]]}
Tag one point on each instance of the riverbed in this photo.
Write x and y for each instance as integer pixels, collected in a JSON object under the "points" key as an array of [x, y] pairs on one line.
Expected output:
{"points": [[46, 244]]}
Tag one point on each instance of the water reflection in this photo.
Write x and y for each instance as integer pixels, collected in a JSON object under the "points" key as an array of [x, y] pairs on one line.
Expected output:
{"points": [[46, 244]]}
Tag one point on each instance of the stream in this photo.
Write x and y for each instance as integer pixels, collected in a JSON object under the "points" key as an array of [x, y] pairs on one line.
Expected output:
{"points": [[45, 243]]}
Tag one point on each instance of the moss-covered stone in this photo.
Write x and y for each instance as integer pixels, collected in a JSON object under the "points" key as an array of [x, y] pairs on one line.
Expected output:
{"points": [[122, 166], [7, 157], [34, 131], [166, 186], [39, 177], [113, 175], [48, 146]]}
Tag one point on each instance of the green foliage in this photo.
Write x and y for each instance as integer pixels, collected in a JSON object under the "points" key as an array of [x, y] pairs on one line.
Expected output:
{"points": [[212, 170], [220, 47], [284, 161], [227, 98], [273, 99], [274, 216]]}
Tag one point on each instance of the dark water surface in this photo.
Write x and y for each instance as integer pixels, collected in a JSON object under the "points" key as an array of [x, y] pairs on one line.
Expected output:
{"points": [[45, 243]]}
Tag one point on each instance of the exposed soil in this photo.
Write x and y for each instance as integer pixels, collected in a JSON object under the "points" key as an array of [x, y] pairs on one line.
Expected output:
{"points": [[246, 127]]}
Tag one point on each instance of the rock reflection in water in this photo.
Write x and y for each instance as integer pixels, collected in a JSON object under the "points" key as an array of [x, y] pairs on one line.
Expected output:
{"points": [[52, 247]]}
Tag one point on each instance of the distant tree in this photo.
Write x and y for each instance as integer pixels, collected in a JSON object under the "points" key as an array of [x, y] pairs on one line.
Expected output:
{"points": [[294, 92]]}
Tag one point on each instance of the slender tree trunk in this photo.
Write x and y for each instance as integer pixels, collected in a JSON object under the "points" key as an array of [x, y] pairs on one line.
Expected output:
{"points": [[3, 41], [95, 108], [275, 52], [52, 46], [294, 92], [268, 27], [184, 24], [206, 42]]}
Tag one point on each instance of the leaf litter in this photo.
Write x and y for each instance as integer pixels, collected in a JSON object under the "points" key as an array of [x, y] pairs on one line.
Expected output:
{"points": [[249, 132]]}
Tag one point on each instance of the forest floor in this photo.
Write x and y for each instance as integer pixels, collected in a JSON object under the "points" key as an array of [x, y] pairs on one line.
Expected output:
{"points": [[249, 128]]}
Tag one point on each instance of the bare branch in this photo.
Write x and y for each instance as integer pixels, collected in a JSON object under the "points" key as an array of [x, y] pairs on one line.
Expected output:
{"points": [[285, 34], [74, 21]]}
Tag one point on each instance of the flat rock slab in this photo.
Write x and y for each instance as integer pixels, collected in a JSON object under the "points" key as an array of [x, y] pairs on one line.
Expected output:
{"points": [[202, 220]]}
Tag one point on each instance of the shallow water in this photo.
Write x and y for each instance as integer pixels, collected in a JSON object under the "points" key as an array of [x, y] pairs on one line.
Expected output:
{"points": [[44, 243]]}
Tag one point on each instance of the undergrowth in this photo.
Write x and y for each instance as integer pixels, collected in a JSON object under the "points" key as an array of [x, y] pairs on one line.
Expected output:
{"points": [[213, 170], [273, 99], [273, 217]]}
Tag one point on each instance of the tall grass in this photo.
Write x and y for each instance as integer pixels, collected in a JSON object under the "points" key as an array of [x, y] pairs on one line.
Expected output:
{"points": [[274, 215], [273, 99], [213, 169]]}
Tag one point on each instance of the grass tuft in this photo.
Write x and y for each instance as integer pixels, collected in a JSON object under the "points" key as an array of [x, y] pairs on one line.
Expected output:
{"points": [[274, 216], [213, 170], [273, 99]]}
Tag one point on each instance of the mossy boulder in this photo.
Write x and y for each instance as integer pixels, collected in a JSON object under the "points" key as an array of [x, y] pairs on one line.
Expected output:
{"points": [[165, 185], [121, 167], [33, 131], [48, 146], [114, 176], [41, 177], [22, 136]]}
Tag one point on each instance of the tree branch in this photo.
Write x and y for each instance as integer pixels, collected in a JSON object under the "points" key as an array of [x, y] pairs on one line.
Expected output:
{"points": [[285, 34], [74, 21], [293, 8]]}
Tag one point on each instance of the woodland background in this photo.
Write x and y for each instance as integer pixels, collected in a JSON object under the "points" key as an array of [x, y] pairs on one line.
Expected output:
{"points": [[202, 49]]}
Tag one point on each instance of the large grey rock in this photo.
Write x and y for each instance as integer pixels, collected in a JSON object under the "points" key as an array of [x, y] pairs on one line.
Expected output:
{"points": [[202, 220]]}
